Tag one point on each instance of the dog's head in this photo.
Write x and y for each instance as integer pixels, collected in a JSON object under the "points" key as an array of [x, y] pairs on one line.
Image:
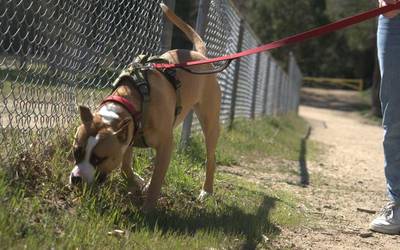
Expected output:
{"points": [[99, 145]]}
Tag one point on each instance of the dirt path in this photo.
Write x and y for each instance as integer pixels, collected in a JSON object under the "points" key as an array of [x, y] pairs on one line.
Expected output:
{"points": [[347, 178], [346, 182]]}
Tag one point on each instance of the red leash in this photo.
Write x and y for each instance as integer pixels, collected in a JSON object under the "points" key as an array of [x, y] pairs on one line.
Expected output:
{"points": [[341, 24]]}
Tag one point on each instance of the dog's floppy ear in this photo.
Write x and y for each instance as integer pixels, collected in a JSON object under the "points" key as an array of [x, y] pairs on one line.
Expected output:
{"points": [[123, 131], [86, 115]]}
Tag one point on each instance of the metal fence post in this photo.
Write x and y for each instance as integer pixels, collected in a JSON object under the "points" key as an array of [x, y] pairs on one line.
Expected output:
{"points": [[255, 86], [275, 91], [284, 95], [279, 94], [166, 38], [201, 23], [266, 84], [284, 88], [270, 95], [281, 91], [297, 79], [236, 76], [291, 81], [291, 94], [287, 95], [299, 82]]}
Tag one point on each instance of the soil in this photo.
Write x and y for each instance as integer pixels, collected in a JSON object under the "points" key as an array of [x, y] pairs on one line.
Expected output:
{"points": [[340, 192]]}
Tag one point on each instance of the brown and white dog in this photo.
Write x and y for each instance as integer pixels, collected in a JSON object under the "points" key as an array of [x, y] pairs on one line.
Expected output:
{"points": [[102, 140]]}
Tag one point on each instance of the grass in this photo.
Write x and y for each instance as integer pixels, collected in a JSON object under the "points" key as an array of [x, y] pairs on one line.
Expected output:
{"points": [[275, 137], [38, 210]]}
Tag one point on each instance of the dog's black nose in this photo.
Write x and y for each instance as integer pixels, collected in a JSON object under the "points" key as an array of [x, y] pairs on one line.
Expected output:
{"points": [[75, 180]]}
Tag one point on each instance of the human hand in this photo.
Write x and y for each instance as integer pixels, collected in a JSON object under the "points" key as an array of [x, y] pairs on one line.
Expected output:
{"points": [[389, 14]]}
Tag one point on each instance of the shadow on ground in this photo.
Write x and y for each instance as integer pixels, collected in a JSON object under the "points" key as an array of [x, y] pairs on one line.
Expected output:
{"points": [[343, 100], [232, 221], [304, 175]]}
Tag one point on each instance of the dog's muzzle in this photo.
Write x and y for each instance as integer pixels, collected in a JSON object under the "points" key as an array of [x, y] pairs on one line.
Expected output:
{"points": [[76, 177], [82, 173]]}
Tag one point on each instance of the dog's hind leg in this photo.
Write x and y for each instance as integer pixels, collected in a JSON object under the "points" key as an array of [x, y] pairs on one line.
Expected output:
{"points": [[207, 112]]}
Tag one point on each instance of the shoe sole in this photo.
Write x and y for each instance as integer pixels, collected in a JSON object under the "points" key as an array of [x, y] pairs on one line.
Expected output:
{"points": [[385, 229]]}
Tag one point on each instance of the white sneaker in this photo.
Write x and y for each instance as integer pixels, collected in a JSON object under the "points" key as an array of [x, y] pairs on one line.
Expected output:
{"points": [[388, 220]]}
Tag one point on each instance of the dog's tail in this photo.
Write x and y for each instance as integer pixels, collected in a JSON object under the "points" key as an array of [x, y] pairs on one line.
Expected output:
{"points": [[199, 44]]}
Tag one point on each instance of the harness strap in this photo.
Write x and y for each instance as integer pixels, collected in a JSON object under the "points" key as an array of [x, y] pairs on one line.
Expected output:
{"points": [[137, 78], [129, 107], [142, 85], [170, 74], [137, 75]]}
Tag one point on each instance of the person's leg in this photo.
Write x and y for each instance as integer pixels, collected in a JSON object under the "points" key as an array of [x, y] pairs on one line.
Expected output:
{"points": [[389, 60]]}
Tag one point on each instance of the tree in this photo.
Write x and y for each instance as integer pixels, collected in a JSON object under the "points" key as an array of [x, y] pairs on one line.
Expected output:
{"points": [[362, 40], [349, 53]]}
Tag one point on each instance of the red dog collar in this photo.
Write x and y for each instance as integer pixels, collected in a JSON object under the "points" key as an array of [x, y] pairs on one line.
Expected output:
{"points": [[136, 115], [124, 102]]}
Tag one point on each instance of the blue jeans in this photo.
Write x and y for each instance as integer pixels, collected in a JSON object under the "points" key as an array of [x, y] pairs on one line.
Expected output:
{"points": [[389, 62]]}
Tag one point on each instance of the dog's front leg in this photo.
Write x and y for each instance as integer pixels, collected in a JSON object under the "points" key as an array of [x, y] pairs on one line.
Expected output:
{"points": [[134, 182], [163, 157]]}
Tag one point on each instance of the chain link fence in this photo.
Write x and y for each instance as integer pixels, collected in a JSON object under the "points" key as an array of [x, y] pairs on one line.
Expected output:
{"points": [[252, 86], [56, 55]]}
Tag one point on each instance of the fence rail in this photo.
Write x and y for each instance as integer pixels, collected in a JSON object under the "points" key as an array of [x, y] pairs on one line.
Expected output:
{"points": [[56, 55]]}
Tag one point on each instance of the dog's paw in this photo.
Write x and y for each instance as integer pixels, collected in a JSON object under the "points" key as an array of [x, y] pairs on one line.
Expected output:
{"points": [[149, 205], [139, 180], [203, 195], [144, 209], [136, 197], [134, 190]]}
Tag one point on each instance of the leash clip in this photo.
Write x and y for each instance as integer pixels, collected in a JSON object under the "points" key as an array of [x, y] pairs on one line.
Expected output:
{"points": [[137, 65], [148, 66]]}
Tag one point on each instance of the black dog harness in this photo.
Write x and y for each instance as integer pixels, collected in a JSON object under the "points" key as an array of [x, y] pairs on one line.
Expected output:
{"points": [[136, 74]]}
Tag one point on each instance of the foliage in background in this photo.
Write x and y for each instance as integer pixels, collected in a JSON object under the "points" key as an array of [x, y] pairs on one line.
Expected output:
{"points": [[361, 36], [348, 53]]}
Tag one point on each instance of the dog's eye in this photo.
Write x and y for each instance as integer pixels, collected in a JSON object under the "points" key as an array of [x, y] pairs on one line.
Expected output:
{"points": [[96, 160]]}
